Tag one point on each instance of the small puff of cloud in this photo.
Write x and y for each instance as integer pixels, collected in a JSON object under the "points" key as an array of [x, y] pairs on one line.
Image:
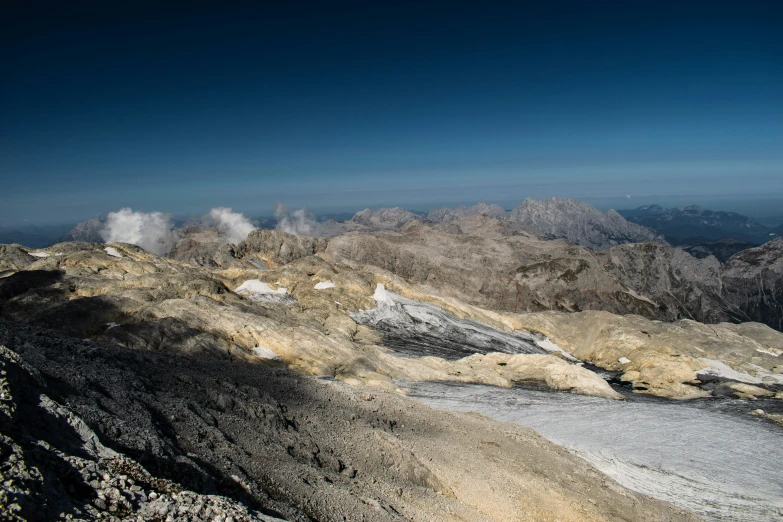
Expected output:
{"points": [[233, 225], [152, 231], [297, 222]]}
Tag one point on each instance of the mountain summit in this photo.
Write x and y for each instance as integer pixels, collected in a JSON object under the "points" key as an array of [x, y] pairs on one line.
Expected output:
{"points": [[580, 223]]}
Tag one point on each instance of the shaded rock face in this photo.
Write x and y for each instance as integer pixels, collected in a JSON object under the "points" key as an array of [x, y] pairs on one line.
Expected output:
{"points": [[499, 266], [753, 283], [722, 249], [580, 223], [56, 466], [673, 279], [204, 246], [88, 430], [13, 257], [272, 248]]}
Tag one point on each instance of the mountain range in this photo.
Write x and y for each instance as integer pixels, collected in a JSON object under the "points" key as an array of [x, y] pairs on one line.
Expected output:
{"points": [[685, 225], [699, 231]]}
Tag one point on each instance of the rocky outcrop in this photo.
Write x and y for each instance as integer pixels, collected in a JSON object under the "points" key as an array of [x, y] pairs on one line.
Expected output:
{"points": [[497, 265], [272, 248], [384, 218], [59, 467], [684, 359], [204, 246], [92, 430], [580, 223], [753, 283], [673, 279], [141, 301], [14, 257], [447, 215]]}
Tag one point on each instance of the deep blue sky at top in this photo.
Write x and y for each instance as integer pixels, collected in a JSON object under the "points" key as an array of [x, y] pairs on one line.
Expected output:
{"points": [[182, 107]]}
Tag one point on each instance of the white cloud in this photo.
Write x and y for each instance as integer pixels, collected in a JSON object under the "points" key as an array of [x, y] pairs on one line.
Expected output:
{"points": [[234, 225], [298, 222], [152, 231]]}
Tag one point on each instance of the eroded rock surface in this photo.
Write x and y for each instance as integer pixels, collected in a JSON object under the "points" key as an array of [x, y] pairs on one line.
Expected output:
{"points": [[122, 294], [92, 429]]}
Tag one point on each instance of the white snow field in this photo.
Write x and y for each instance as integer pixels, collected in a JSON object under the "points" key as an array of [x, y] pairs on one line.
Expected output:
{"points": [[708, 456]]}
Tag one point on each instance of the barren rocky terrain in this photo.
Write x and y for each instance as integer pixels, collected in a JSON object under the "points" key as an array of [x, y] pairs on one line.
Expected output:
{"points": [[198, 370], [150, 435]]}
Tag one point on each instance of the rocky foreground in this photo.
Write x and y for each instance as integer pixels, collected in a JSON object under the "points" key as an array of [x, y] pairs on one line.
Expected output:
{"points": [[91, 430]]}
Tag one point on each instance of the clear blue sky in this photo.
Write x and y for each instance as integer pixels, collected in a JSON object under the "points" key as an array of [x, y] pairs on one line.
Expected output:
{"points": [[182, 108]]}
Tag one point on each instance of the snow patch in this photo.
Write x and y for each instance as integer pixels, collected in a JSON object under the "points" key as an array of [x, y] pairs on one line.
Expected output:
{"points": [[724, 371], [38, 254], [112, 252], [324, 285], [773, 354], [549, 346], [416, 329], [264, 352], [382, 295], [766, 376], [260, 291], [624, 360], [254, 286], [112, 325]]}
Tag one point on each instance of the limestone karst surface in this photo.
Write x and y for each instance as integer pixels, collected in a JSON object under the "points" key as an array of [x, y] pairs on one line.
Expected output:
{"points": [[143, 329], [753, 282], [138, 300], [126, 434], [498, 265], [325, 318]]}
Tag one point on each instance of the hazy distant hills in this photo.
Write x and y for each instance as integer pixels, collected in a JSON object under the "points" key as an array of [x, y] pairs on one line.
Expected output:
{"points": [[26, 239], [33, 236], [693, 224], [722, 249]]}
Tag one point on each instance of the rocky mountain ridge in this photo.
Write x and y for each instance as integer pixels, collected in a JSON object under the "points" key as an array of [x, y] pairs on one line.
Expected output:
{"points": [[578, 222]]}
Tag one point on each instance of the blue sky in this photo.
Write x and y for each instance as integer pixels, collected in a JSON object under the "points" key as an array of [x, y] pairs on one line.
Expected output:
{"points": [[183, 108]]}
